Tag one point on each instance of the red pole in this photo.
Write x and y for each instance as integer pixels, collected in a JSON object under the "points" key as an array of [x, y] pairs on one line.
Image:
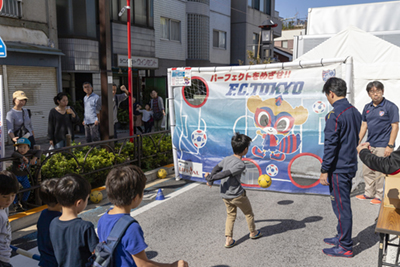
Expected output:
{"points": [[128, 4]]}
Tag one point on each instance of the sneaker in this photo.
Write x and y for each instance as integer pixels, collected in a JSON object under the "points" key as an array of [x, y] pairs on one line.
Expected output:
{"points": [[363, 197], [334, 241], [375, 201], [338, 252]]}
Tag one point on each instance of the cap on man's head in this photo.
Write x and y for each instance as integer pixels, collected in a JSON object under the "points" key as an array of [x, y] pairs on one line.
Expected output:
{"points": [[23, 141], [20, 95]]}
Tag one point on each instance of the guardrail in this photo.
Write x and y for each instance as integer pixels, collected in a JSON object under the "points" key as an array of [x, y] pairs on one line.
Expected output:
{"points": [[136, 158]]}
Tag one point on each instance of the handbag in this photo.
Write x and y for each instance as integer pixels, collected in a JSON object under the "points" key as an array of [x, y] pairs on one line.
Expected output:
{"points": [[22, 130], [158, 116]]}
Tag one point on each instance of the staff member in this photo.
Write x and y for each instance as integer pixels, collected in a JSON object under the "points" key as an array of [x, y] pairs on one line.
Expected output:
{"points": [[381, 118], [339, 164]]}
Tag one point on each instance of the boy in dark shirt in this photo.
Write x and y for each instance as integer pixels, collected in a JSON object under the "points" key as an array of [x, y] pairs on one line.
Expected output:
{"points": [[47, 195], [233, 194], [73, 239], [20, 167]]}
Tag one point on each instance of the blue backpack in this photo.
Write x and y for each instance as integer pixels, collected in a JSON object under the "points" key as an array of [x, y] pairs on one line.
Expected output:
{"points": [[103, 253]]}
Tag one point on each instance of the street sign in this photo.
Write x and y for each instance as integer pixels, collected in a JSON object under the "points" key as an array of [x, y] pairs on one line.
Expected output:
{"points": [[3, 48], [1, 5]]}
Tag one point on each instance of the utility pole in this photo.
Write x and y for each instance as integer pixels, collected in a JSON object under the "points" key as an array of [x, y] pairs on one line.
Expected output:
{"points": [[106, 113]]}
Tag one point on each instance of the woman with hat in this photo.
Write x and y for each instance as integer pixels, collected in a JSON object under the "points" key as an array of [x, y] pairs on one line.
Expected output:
{"points": [[19, 123]]}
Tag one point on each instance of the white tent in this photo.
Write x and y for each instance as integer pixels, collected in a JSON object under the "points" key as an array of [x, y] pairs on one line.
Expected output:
{"points": [[373, 59]]}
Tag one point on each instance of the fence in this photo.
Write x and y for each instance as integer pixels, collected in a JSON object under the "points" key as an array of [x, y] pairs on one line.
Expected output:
{"points": [[119, 151]]}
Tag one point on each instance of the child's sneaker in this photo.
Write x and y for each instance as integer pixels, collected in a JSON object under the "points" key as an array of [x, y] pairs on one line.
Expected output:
{"points": [[363, 197], [338, 252], [375, 201], [334, 241]]}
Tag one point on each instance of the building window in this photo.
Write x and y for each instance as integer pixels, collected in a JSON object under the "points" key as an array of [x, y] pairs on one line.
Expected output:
{"points": [[284, 44], [219, 39], [77, 18], [207, 2], [261, 5], [142, 12], [198, 35], [256, 44], [170, 29], [11, 8]]}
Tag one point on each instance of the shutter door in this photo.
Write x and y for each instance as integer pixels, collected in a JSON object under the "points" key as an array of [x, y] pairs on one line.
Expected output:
{"points": [[40, 86]]}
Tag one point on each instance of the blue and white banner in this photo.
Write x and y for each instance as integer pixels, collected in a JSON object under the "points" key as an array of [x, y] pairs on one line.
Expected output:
{"points": [[282, 110]]}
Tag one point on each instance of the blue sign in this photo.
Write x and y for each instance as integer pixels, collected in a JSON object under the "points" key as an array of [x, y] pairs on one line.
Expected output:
{"points": [[3, 49]]}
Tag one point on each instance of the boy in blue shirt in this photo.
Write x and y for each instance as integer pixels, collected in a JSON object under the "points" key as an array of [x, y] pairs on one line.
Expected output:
{"points": [[47, 195], [125, 188], [229, 171], [9, 187], [73, 239]]}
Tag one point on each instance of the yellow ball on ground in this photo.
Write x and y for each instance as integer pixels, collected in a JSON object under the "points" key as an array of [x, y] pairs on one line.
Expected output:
{"points": [[96, 197], [264, 181], [162, 173]]}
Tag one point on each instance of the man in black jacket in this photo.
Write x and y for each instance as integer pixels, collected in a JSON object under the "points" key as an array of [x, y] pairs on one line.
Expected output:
{"points": [[386, 165]]}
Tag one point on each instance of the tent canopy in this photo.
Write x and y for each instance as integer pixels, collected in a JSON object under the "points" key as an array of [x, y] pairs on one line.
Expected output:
{"points": [[373, 59]]}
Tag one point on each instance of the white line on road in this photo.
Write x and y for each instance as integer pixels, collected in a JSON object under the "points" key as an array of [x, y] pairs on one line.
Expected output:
{"points": [[158, 202]]}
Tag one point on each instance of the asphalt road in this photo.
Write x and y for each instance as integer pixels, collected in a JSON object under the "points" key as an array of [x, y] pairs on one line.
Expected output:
{"points": [[189, 224]]}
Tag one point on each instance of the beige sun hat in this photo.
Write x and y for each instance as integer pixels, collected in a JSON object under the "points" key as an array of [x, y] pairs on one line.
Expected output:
{"points": [[20, 95]]}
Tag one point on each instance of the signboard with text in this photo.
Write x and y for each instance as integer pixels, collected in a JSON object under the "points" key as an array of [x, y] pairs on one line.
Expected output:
{"points": [[138, 62], [282, 110]]}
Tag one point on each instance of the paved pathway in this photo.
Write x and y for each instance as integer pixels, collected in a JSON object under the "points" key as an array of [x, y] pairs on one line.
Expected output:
{"points": [[189, 224]]}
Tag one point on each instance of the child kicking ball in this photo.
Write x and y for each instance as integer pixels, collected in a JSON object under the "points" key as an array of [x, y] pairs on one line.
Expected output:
{"points": [[229, 171]]}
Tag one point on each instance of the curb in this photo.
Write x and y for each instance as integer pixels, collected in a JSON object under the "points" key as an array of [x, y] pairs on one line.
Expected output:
{"points": [[25, 219]]}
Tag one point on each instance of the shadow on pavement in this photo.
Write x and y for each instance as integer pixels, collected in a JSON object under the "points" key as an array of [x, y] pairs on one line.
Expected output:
{"points": [[151, 254], [285, 202], [365, 239], [283, 226]]}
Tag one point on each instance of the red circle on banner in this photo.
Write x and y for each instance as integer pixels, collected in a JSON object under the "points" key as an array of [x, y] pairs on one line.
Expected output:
{"points": [[290, 167], [205, 99], [1, 5]]}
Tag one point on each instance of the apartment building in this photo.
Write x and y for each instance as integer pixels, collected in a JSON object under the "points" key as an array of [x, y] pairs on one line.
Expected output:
{"points": [[33, 64]]}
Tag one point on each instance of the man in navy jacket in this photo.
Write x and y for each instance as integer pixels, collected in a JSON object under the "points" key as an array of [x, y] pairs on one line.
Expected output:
{"points": [[339, 164]]}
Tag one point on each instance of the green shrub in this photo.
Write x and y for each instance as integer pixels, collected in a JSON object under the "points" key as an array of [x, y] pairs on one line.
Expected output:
{"points": [[98, 158]]}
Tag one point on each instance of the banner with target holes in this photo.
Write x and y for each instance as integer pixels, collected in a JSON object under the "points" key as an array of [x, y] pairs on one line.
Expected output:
{"points": [[282, 110]]}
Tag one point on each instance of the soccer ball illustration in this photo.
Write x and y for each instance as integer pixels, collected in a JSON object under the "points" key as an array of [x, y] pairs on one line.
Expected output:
{"points": [[199, 138], [319, 107], [272, 170]]}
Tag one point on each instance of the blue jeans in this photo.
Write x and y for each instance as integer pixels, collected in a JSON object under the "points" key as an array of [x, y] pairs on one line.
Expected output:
{"points": [[60, 144], [24, 181]]}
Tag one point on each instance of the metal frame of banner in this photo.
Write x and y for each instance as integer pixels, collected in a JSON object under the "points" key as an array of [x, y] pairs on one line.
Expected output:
{"points": [[348, 61]]}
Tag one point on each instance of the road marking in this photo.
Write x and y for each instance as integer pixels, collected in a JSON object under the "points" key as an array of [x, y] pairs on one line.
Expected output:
{"points": [[158, 202]]}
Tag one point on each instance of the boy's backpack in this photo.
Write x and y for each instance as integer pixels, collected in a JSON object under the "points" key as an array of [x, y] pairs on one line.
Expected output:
{"points": [[103, 253]]}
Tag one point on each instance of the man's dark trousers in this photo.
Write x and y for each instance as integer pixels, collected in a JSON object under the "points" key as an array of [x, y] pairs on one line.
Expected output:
{"points": [[340, 188]]}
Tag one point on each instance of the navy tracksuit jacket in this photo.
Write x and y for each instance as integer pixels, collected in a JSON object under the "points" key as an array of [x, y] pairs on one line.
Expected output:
{"points": [[340, 160]]}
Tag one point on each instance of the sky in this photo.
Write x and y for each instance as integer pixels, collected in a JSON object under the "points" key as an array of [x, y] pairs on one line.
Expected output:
{"points": [[289, 8]]}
